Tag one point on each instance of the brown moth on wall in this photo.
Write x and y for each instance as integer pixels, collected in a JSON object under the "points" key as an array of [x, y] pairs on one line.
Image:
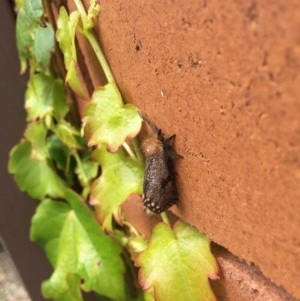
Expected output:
{"points": [[160, 191]]}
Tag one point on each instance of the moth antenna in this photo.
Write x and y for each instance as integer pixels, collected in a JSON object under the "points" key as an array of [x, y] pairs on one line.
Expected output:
{"points": [[171, 139], [172, 152], [150, 123]]}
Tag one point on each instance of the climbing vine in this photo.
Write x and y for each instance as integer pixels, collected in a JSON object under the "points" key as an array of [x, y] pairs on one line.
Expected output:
{"points": [[81, 171]]}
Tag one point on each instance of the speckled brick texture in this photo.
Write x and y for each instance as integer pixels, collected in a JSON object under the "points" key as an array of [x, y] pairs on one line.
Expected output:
{"points": [[224, 76], [242, 282]]}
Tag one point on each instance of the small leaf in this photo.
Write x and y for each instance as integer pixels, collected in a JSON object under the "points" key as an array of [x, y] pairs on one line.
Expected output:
{"points": [[120, 177], [45, 96], [87, 170], [65, 35], [34, 176], [93, 12], [177, 264], [24, 29], [108, 121], [59, 153], [36, 134], [34, 9], [61, 157], [43, 44], [33, 41], [67, 134], [136, 245], [83, 256]]}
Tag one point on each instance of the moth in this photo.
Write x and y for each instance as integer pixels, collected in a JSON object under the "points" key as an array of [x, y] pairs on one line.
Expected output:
{"points": [[160, 191]]}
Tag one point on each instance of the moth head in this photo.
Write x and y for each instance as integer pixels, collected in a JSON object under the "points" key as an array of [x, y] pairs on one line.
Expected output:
{"points": [[152, 146]]}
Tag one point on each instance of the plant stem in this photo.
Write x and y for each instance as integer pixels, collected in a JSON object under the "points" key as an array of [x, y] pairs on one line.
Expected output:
{"points": [[100, 56], [131, 228], [81, 10], [129, 151], [89, 34]]}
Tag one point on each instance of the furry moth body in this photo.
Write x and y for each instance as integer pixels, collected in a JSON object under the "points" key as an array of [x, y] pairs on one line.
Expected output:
{"points": [[160, 191]]}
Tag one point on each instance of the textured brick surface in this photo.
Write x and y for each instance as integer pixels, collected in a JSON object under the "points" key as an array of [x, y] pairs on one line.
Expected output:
{"points": [[239, 281], [223, 76]]}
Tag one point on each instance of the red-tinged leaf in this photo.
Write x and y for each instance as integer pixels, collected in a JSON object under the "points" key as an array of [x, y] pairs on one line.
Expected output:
{"points": [[107, 120], [120, 177], [177, 264]]}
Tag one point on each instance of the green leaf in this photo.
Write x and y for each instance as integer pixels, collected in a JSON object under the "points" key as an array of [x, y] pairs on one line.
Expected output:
{"points": [[93, 12], [65, 35], [19, 4], [43, 44], [120, 177], [45, 96], [24, 29], [61, 157], [34, 176], [67, 134], [86, 170], [59, 153], [136, 245], [83, 256], [177, 264], [108, 121], [34, 42], [34, 9], [36, 134], [148, 295]]}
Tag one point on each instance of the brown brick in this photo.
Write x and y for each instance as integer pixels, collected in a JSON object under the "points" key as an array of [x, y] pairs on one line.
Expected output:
{"points": [[223, 76], [242, 282]]}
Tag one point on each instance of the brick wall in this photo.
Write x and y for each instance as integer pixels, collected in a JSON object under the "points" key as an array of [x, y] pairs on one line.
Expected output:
{"points": [[223, 76]]}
